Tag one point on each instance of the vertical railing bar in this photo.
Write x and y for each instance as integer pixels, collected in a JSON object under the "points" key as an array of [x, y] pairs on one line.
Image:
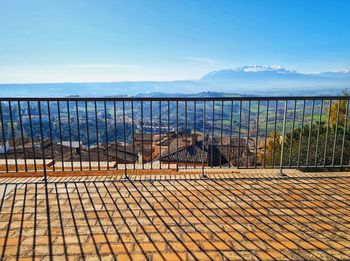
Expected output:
{"points": [[88, 133], [115, 134], [231, 144], [151, 119], [335, 133], [42, 140], [51, 136], [160, 134], [31, 133], [168, 133], [186, 137], [346, 125], [22, 135], [344, 132], [13, 136], [301, 132], [274, 136], [292, 134], [257, 134], [106, 133], [46, 182], [248, 132], [133, 133], [4, 137], [124, 138], [310, 131], [221, 133], [177, 135], [194, 131], [266, 124], [239, 135], [70, 136], [142, 145], [79, 137], [212, 134], [97, 138], [204, 138], [60, 131], [318, 133], [327, 132], [283, 136]]}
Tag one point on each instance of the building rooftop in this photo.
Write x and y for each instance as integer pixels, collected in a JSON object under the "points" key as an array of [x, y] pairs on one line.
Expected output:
{"points": [[249, 215]]}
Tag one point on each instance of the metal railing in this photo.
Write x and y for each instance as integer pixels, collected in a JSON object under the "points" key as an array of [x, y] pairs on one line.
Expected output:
{"points": [[86, 134]]}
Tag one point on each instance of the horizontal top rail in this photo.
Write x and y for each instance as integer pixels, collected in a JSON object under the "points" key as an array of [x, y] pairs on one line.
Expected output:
{"points": [[251, 98]]}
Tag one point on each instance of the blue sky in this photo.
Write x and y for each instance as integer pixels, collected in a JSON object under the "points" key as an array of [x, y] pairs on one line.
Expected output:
{"points": [[112, 40]]}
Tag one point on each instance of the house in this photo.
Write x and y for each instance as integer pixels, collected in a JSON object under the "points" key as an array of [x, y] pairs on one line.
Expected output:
{"points": [[25, 148], [4, 147], [192, 154], [240, 152], [147, 154], [121, 153], [18, 144], [145, 139], [184, 150], [208, 151], [76, 146], [171, 143], [150, 146]]}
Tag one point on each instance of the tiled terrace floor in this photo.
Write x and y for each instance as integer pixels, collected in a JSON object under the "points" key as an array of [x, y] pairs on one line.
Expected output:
{"points": [[253, 218]]}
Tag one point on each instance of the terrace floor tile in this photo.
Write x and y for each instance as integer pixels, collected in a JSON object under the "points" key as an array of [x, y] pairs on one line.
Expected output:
{"points": [[265, 217]]}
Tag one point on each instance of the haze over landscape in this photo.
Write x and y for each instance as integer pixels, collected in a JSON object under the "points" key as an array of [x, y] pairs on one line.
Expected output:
{"points": [[249, 80]]}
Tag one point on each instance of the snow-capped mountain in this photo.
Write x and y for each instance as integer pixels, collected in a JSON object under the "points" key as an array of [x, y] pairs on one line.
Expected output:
{"points": [[259, 68], [270, 73]]}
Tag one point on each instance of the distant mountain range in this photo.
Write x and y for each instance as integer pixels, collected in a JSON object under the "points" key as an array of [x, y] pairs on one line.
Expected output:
{"points": [[268, 73], [245, 80]]}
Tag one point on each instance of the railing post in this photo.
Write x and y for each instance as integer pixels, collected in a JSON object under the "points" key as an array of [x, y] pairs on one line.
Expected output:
{"points": [[205, 142], [283, 136], [126, 177], [2, 122], [239, 134]]}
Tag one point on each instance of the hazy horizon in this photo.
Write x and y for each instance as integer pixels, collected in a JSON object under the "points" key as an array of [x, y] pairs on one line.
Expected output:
{"points": [[343, 71]]}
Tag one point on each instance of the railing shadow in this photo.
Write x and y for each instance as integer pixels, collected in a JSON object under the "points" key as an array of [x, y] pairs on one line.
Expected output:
{"points": [[176, 219]]}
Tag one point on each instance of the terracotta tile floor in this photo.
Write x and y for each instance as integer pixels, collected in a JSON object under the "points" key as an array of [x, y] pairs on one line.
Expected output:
{"points": [[211, 219]]}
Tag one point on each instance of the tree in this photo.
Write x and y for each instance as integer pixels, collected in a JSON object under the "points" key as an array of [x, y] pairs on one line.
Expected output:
{"points": [[301, 148], [272, 150], [340, 105]]}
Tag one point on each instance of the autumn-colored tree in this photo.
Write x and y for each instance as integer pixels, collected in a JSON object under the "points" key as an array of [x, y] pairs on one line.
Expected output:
{"points": [[272, 149], [339, 105]]}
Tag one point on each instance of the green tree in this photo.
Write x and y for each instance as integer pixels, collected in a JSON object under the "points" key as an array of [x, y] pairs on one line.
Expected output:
{"points": [[323, 146]]}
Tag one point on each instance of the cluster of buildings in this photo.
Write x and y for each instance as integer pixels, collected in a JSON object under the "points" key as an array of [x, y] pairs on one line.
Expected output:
{"points": [[171, 148]]}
